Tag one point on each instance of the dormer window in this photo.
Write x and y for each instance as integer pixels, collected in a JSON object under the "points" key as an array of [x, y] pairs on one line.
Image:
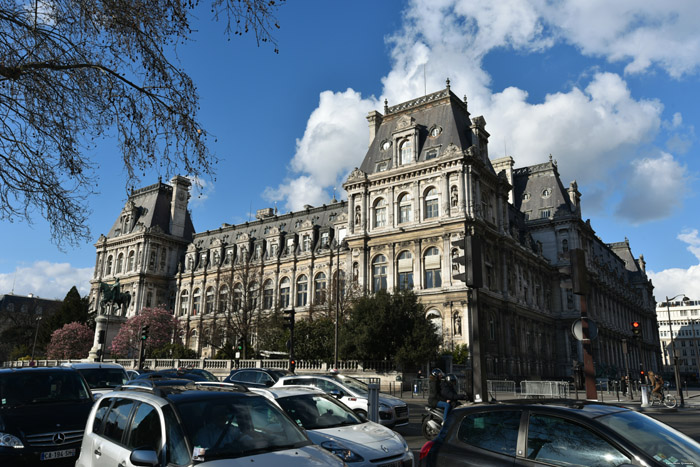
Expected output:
{"points": [[432, 154], [324, 240], [307, 243], [406, 150], [382, 166]]}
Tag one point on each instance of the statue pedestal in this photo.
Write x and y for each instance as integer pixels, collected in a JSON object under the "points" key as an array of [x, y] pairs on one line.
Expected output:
{"points": [[110, 324]]}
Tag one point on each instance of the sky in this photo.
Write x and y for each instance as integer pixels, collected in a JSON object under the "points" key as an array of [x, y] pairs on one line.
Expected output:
{"points": [[609, 89]]}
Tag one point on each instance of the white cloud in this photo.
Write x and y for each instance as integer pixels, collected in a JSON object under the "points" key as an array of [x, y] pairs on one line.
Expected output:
{"points": [[652, 191], [201, 190], [47, 280], [670, 282]]}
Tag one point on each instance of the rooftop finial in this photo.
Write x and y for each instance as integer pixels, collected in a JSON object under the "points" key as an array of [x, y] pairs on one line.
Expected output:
{"points": [[386, 106], [465, 102], [448, 84]]}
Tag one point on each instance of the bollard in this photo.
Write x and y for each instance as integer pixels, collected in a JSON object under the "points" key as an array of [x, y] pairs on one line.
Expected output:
{"points": [[645, 396], [373, 402]]}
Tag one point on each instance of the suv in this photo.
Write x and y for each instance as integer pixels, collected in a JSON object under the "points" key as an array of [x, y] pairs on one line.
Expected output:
{"points": [[42, 415], [101, 377], [353, 393], [256, 377], [185, 423]]}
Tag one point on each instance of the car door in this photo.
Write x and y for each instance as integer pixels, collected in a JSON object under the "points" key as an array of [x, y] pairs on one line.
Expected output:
{"points": [[556, 440], [110, 445]]}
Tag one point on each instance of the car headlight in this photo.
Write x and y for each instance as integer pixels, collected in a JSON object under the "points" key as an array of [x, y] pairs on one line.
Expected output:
{"points": [[341, 451], [10, 441]]}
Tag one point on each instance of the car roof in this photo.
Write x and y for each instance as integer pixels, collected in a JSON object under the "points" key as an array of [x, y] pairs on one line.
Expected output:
{"points": [[587, 409], [91, 365], [287, 391], [36, 368]]}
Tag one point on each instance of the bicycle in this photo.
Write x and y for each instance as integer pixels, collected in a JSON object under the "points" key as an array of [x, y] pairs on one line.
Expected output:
{"points": [[669, 400]]}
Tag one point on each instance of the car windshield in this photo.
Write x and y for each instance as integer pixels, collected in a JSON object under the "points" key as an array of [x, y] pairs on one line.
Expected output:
{"points": [[353, 384], [317, 411], [104, 377], [656, 439], [226, 427], [41, 387]]}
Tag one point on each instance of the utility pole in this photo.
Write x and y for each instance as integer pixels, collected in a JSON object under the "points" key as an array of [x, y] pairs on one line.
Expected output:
{"points": [[579, 279]]}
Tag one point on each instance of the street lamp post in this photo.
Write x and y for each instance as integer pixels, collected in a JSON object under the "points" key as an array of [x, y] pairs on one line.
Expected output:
{"points": [[679, 390], [36, 332]]}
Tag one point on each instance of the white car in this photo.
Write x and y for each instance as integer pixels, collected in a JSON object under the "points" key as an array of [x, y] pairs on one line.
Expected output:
{"points": [[354, 393], [335, 427], [180, 423], [101, 377]]}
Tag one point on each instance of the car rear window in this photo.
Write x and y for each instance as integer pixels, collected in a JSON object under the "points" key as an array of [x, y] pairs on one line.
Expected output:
{"points": [[104, 377]]}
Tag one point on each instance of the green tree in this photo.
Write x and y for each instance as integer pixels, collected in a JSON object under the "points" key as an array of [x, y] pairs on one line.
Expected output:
{"points": [[391, 327], [314, 339], [73, 71], [162, 327], [74, 309], [460, 354]]}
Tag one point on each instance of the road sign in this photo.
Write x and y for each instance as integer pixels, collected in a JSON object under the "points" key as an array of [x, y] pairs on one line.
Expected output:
{"points": [[577, 329]]}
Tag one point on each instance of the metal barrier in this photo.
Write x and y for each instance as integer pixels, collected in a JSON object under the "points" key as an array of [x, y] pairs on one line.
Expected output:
{"points": [[505, 389], [545, 389]]}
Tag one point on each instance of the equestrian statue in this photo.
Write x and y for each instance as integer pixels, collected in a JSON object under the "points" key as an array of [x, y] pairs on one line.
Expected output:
{"points": [[111, 294]]}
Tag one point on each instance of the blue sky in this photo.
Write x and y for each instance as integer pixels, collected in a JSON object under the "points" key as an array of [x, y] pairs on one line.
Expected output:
{"points": [[610, 90]]}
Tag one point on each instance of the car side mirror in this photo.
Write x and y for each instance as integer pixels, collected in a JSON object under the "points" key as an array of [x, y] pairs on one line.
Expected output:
{"points": [[144, 458], [336, 393]]}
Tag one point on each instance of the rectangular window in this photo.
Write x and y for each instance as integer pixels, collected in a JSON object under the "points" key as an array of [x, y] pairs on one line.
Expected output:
{"points": [[380, 217], [404, 214], [431, 208], [432, 278], [405, 280], [284, 297], [267, 299], [545, 214]]}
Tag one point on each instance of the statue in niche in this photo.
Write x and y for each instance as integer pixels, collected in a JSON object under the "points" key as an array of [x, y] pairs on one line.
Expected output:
{"points": [[458, 325], [190, 263], [454, 196], [358, 216]]}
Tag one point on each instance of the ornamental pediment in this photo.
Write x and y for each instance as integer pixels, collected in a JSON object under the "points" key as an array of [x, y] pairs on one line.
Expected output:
{"points": [[307, 224], [452, 151], [357, 174], [405, 122]]}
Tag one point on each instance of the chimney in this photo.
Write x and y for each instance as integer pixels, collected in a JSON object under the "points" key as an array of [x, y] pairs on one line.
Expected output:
{"points": [[178, 204], [375, 120]]}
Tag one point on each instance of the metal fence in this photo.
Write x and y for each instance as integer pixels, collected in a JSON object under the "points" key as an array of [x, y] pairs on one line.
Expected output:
{"points": [[502, 389], [544, 389]]}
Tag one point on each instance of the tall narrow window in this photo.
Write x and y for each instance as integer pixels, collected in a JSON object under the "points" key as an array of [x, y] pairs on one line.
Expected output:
{"points": [[302, 290], [405, 208], [380, 213], [237, 297], [196, 301], [379, 273], [130, 261], [209, 300], [120, 263], [284, 293], [405, 269], [432, 265], [406, 150], [223, 299], [431, 204], [320, 289], [184, 302], [108, 268], [253, 292], [268, 291]]}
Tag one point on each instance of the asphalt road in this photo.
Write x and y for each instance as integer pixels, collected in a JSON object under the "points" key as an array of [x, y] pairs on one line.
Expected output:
{"points": [[686, 420]]}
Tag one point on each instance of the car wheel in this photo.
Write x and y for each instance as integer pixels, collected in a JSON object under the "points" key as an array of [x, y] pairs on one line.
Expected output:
{"points": [[361, 413]]}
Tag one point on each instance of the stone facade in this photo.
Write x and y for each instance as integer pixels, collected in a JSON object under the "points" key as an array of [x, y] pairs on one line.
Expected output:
{"points": [[426, 182], [682, 318]]}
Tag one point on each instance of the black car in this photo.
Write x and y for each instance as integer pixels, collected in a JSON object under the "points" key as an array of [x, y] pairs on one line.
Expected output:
{"points": [[193, 374], [256, 377], [563, 433], [43, 412]]}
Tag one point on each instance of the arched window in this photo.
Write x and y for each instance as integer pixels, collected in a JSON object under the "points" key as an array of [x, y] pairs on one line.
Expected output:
{"points": [[184, 302], [120, 263], [380, 213], [320, 289], [209, 300], [431, 204], [108, 268], [302, 290], [237, 296], [432, 264], [404, 267], [379, 273], [405, 208], [284, 293], [130, 261], [196, 301], [268, 294], [223, 299], [406, 149]]}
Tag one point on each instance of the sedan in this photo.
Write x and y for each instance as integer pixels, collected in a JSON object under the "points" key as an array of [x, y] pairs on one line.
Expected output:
{"points": [[335, 427], [256, 377], [574, 433]]}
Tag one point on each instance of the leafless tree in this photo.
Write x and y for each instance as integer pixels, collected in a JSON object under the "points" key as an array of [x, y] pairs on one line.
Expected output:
{"points": [[75, 71]]}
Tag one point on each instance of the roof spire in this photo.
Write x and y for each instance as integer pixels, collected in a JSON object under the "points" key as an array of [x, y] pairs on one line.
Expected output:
{"points": [[386, 106], [448, 84]]}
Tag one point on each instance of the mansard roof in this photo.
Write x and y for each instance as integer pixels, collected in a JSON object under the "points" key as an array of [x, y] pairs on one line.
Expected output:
{"points": [[441, 109], [538, 187], [150, 208]]}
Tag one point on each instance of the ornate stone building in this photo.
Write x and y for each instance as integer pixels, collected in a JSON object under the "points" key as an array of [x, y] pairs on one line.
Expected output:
{"points": [[426, 182]]}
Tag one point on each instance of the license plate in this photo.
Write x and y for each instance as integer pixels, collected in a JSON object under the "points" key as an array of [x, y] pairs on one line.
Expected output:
{"points": [[45, 456]]}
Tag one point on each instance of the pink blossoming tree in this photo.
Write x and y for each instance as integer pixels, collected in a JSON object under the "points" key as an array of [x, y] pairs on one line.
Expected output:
{"points": [[162, 327], [73, 340]]}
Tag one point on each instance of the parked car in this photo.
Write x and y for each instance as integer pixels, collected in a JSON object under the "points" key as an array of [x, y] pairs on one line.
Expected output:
{"points": [[335, 427], [256, 377], [101, 377], [185, 424], [43, 412], [561, 433], [193, 374], [353, 393]]}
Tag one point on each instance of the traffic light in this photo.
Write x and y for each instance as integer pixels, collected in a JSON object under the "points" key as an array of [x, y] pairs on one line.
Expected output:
{"points": [[144, 332], [636, 329], [292, 365], [101, 337], [289, 319], [468, 266], [239, 345]]}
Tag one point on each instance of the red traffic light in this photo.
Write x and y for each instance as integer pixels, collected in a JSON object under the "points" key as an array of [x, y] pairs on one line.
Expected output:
{"points": [[635, 324]]}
